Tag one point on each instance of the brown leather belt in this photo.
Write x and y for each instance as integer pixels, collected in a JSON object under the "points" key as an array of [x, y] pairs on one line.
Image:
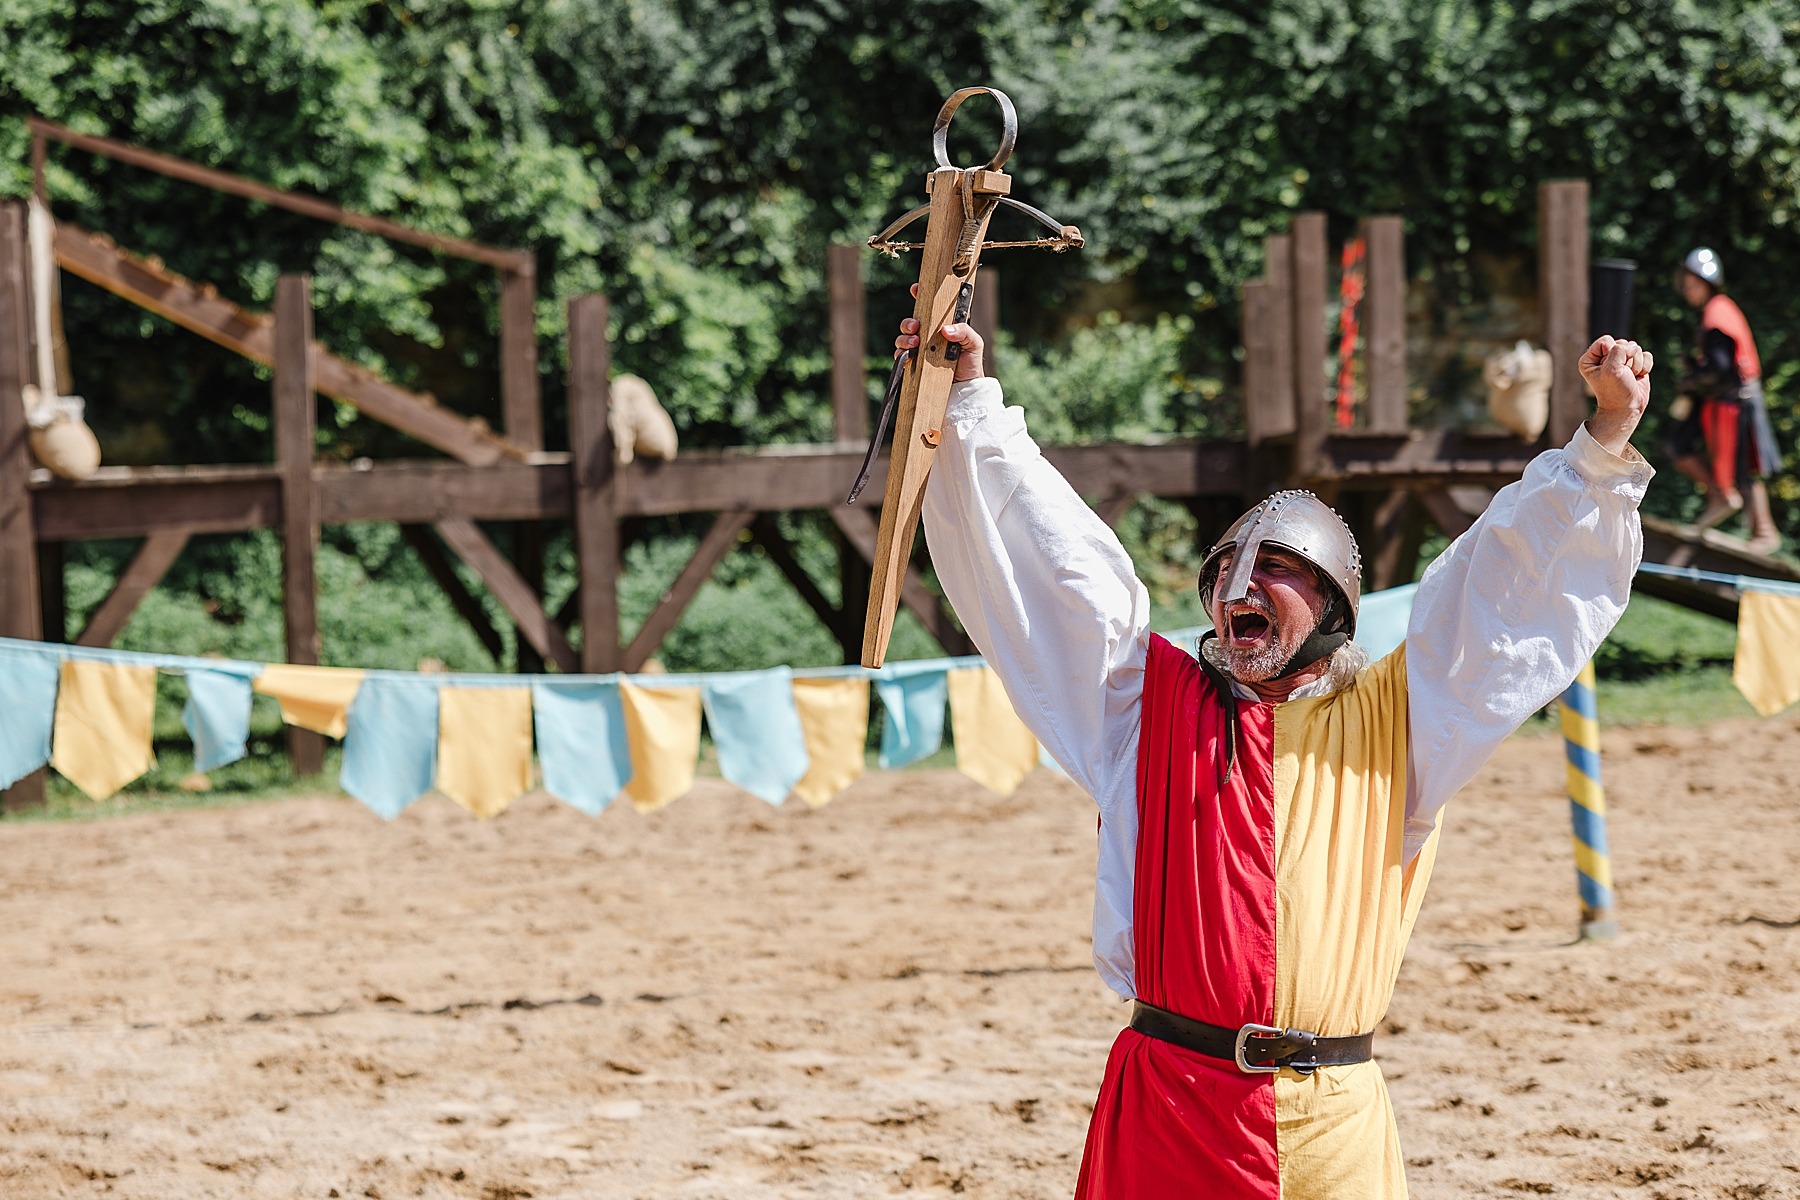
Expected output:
{"points": [[1256, 1049]]}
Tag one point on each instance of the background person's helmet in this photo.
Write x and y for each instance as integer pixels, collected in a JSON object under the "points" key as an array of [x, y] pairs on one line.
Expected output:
{"points": [[1296, 521], [1704, 264]]}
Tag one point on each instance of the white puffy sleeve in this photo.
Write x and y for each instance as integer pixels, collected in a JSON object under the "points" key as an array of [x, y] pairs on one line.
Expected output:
{"points": [[1043, 587], [1506, 616]]}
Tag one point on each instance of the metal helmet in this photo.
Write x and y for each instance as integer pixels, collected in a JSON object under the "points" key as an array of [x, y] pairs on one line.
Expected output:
{"points": [[1297, 521], [1705, 265]]}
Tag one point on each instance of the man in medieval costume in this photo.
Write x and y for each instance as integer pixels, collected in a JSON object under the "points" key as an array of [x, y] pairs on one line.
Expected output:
{"points": [[1269, 813]]}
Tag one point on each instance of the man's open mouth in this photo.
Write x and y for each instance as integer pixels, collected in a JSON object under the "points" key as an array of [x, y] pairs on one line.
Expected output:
{"points": [[1247, 628]]}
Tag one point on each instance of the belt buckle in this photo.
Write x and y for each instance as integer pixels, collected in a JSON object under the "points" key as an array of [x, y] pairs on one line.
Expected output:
{"points": [[1243, 1037]]}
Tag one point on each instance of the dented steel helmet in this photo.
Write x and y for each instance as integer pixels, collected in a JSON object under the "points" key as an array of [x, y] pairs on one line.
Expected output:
{"points": [[1705, 265], [1297, 521]]}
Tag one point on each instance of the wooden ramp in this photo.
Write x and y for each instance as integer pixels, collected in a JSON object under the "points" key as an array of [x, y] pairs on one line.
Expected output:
{"points": [[199, 308]]}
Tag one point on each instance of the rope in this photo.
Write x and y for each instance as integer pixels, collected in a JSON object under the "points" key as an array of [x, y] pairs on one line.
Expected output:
{"points": [[1740, 582]]}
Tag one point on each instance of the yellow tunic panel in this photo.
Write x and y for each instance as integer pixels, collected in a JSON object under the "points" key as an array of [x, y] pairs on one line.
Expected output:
{"points": [[1345, 908]]}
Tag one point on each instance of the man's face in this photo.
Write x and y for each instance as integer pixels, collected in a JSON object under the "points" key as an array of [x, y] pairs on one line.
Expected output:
{"points": [[1262, 631], [1693, 289]]}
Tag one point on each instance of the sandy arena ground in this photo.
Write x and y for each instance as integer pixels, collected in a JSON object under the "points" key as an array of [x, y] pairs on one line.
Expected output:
{"points": [[889, 996]]}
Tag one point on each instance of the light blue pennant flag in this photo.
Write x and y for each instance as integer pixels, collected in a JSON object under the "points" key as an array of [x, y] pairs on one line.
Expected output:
{"points": [[581, 741], [756, 727], [1381, 620], [914, 697], [28, 679], [217, 714], [390, 745]]}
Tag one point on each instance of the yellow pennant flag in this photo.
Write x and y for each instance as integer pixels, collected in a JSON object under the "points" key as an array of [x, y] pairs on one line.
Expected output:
{"points": [[315, 698], [1767, 667], [104, 710], [993, 747], [484, 747], [834, 716], [662, 727]]}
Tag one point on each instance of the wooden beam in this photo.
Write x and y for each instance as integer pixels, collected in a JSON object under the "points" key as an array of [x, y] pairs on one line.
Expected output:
{"points": [[1563, 296], [768, 535], [1445, 513], [20, 614], [667, 614], [250, 189], [1398, 532], [53, 592], [1311, 417], [849, 343], [521, 404], [200, 309], [126, 502], [515, 595], [144, 571], [1384, 325], [591, 481], [296, 419], [858, 526], [467, 604]]}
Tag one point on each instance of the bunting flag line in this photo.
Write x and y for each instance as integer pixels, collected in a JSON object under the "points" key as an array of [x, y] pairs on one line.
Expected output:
{"points": [[779, 732]]}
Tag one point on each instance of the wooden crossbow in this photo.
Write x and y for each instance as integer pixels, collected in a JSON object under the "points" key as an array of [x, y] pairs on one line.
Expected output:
{"points": [[963, 201]]}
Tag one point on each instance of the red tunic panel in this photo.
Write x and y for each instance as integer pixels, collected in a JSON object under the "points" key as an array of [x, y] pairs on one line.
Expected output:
{"points": [[1169, 1122]]}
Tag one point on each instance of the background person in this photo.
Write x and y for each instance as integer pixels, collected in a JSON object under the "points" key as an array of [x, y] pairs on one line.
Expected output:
{"points": [[1723, 440]]}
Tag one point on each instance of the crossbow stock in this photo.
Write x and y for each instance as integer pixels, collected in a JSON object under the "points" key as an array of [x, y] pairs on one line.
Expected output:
{"points": [[963, 201]]}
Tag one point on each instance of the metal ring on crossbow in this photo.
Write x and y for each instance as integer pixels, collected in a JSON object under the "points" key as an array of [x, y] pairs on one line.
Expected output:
{"points": [[1009, 126]]}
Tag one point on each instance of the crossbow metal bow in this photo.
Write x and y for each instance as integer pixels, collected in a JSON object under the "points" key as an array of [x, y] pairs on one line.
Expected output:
{"points": [[963, 201]]}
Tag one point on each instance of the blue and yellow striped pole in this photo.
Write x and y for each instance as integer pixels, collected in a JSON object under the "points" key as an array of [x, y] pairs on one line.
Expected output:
{"points": [[1587, 806]]}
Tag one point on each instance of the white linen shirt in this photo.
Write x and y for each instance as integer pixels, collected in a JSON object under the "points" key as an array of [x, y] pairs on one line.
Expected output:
{"points": [[1502, 620]]}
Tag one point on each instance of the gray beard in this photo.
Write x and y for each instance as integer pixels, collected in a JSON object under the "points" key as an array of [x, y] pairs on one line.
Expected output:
{"points": [[1260, 664]]}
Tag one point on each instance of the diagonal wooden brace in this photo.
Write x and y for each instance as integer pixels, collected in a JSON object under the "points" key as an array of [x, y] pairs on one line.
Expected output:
{"points": [[925, 391]]}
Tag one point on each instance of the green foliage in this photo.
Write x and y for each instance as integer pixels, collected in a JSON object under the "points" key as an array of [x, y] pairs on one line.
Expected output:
{"points": [[693, 158]]}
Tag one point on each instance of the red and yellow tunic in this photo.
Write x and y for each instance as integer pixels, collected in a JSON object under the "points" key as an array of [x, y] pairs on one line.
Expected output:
{"points": [[1278, 899], [1286, 897]]}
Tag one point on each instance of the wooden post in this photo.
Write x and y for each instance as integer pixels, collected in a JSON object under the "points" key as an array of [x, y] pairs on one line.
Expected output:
{"points": [[849, 343], [1384, 325], [520, 403], [985, 316], [1311, 417], [20, 615], [1278, 275], [53, 595], [522, 411], [296, 415], [1563, 295], [591, 469], [1263, 410]]}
